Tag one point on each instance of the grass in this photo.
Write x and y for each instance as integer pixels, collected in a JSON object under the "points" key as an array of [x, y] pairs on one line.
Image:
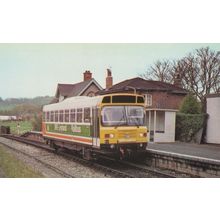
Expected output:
{"points": [[11, 167], [24, 126]]}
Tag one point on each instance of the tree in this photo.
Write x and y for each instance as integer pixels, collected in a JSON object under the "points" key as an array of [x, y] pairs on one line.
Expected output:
{"points": [[199, 73], [161, 71], [190, 105], [37, 122]]}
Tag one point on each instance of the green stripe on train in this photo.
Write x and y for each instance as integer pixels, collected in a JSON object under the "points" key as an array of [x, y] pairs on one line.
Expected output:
{"points": [[76, 130]]}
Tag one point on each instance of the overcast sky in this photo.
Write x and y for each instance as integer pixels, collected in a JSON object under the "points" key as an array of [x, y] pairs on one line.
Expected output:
{"points": [[29, 70]]}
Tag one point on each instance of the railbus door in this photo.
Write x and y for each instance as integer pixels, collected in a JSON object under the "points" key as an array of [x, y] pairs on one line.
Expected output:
{"points": [[95, 128]]}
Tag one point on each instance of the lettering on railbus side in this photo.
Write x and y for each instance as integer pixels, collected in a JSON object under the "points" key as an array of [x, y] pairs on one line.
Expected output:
{"points": [[75, 129], [60, 127]]}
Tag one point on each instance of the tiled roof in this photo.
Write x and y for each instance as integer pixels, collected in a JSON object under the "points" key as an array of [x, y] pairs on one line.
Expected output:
{"points": [[71, 89], [78, 87], [64, 89], [143, 85]]}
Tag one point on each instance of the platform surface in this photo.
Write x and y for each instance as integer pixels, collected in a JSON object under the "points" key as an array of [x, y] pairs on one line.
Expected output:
{"points": [[207, 151]]}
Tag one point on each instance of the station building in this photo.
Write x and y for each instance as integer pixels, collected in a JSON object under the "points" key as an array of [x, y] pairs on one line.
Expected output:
{"points": [[88, 87], [162, 102]]}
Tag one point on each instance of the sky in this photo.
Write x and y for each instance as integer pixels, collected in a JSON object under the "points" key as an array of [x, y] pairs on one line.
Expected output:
{"points": [[30, 70]]}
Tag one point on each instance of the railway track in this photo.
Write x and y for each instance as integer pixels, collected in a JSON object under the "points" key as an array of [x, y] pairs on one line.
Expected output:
{"points": [[107, 165], [49, 166], [67, 155]]}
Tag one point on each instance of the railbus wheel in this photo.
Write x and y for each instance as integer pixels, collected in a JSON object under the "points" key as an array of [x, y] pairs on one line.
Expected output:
{"points": [[54, 146]]}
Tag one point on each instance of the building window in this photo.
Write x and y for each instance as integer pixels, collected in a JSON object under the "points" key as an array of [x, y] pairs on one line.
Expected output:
{"points": [[67, 115], [148, 99], [72, 115], [91, 94], [87, 115], [160, 122]]}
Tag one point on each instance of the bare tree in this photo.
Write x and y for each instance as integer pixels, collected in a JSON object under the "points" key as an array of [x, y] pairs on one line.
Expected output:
{"points": [[200, 73], [161, 71]]}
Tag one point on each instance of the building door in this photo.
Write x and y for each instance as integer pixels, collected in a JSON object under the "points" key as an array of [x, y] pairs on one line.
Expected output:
{"points": [[150, 124]]}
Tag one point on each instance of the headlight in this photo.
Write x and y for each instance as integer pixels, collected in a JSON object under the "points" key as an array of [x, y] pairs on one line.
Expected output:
{"points": [[112, 135], [109, 135], [143, 134]]}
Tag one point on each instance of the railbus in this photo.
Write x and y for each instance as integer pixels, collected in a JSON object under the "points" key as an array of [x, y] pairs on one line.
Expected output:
{"points": [[112, 124]]}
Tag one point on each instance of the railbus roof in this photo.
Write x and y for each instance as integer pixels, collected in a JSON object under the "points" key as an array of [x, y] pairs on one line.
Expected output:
{"points": [[81, 102]]}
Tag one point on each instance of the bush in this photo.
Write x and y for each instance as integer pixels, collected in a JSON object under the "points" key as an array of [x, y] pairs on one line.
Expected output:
{"points": [[37, 122], [190, 105], [187, 125]]}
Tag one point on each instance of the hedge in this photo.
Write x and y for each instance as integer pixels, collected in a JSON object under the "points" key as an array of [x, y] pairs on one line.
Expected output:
{"points": [[187, 125]]}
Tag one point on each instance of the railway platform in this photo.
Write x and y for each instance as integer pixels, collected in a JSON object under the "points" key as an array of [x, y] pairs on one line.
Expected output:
{"points": [[203, 151]]}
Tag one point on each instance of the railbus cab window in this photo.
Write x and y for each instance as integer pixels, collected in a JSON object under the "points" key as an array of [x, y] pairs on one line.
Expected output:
{"points": [[106, 99], [140, 99], [123, 99], [123, 115]]}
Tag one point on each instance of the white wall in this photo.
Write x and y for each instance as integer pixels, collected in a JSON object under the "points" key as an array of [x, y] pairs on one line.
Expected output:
{"points": [[6, 118], [169, 134], [213, 124]]}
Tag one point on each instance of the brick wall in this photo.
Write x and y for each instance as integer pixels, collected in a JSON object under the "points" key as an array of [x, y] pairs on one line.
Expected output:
{"points": [[92, 89], [166, 100]]}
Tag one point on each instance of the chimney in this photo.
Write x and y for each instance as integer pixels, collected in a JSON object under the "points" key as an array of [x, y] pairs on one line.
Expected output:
{"points": [[177, 80], [109, 79], [87, 75]]}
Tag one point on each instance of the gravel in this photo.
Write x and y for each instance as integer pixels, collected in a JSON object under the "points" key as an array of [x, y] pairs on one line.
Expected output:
{"points": [[73, 168]]}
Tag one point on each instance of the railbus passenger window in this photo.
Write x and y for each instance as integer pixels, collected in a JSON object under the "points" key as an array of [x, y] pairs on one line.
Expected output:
{"points": [[72, 115], [44, 117], [67, 115], [86, 114], [61, 116], [52, 116], [79, 114], [56, 116], [48, 116]]}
